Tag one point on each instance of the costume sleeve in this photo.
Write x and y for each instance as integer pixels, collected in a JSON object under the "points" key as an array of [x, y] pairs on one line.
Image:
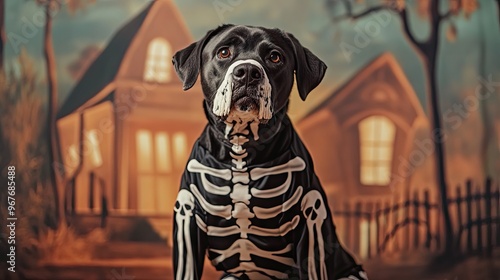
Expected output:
{"points": [[189, 236], [318, 251]]}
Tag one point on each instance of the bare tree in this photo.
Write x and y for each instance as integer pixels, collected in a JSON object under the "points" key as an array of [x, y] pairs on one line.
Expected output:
{"points": [[427, 51], [2, 31], [50, 7], [487, 135], [498, 10]]}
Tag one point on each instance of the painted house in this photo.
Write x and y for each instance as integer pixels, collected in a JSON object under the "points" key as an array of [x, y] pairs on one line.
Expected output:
{"points": [[134, 128], [359, 133], [133, 124]]}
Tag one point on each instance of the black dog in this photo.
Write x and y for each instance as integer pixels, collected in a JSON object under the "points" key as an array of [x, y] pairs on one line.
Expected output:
{"points": [[249, 196]]}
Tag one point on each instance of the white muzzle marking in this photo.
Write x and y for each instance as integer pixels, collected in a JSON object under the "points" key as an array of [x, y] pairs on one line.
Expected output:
{"points": [[222, 100]]}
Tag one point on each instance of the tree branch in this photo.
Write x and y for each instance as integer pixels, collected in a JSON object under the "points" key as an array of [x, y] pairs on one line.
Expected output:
{"points": [[351, 15], [445, 16], [348, 6], [435, 18], [406, 27], [451, 11], [402, 13], [498, 10]]}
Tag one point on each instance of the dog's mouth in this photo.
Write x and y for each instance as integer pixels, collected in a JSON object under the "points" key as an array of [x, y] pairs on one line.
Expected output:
{"points": [[243, 115], [245, 101], [246, 104], [249, 98]]}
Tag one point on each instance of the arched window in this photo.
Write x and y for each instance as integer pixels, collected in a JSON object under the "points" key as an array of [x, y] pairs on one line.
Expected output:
{"points": [[376, 138], [158, 61]]}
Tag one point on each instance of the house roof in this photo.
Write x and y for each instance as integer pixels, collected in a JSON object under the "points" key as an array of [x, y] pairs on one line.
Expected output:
{"points": [[105, 67], [384, 60]]}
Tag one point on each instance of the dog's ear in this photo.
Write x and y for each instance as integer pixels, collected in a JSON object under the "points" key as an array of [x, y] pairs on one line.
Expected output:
{"points": [[309, 69], [187, 62]]}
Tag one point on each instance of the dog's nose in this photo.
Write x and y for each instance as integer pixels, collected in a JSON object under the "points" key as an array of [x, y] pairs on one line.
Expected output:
{"points": [[247, 73]]}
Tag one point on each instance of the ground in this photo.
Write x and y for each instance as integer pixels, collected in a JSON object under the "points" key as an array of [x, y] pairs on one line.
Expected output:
{"points": [[151, 261]]}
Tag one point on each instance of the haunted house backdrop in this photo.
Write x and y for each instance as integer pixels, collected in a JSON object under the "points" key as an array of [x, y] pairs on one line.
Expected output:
{"points": [[124, 128]]}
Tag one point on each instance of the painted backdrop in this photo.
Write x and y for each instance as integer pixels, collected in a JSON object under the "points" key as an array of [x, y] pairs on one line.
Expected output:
{"points": [[95, 130]]}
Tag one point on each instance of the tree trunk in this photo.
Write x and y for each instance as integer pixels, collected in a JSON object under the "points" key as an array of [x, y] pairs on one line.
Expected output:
{"points": [[428, 52], [2, 31], [498, 10], [439, 138], [52, 112], [483, 102]]}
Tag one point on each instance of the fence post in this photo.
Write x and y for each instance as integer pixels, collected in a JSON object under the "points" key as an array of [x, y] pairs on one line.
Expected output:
{"points": [[479, 222], [104, 203], [369, 218], [416, 206], [460, 226], [440, 234], [497, 228], [376, 213], [92, 190], [469, 215], [395, 221], [347, 225], [428, 237], [489, 221], [73, 195], [357, 232], [387, 223], [406, 220]]}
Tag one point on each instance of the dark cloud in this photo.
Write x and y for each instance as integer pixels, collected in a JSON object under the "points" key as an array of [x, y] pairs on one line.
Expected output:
{"points": [[78, 67]]}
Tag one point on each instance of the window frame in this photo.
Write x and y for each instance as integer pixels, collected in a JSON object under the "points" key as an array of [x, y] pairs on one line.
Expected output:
{"points": [[156, 175], [157, 65], [376, 143]]}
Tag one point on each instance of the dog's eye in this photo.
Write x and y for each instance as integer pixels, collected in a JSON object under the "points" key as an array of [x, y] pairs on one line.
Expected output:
{"points": [[275, 57], [224, 53]]}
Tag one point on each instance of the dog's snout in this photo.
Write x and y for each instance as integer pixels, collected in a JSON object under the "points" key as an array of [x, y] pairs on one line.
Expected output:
{"points": [[247, 73]]}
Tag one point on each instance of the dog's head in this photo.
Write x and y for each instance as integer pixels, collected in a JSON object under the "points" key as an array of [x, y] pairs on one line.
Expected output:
{"points": [[248, 70]]}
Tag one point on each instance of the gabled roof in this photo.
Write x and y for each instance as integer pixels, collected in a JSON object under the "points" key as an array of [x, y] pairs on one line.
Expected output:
{"points": [[108, 70], [105, 67], [384, 60]]}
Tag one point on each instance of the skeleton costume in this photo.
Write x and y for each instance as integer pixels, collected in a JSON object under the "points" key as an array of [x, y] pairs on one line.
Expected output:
{"points": [[255, 205]]}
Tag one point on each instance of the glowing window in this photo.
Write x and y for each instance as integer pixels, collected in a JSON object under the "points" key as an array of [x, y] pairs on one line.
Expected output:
{"points": [[180, 147], [161, 157], [144, 151], [158, 61], [376, 135], [94, 148], [163, 161], [73, 155]]}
